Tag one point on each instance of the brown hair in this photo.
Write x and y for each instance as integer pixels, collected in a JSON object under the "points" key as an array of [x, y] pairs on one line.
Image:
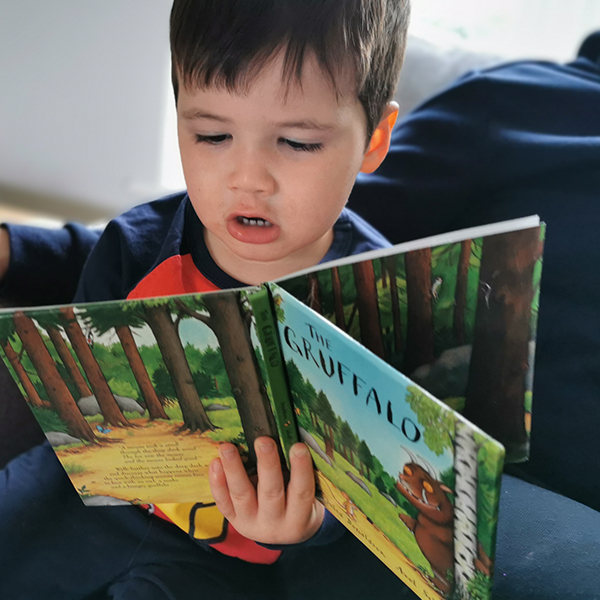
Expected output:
{"points": [[227, 42]]}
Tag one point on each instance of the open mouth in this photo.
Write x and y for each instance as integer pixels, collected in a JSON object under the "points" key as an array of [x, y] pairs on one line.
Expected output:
{"points": [[254, 221]]}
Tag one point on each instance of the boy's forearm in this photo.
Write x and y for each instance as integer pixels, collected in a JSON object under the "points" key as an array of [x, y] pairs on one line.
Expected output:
{"points": [[42, 266]]}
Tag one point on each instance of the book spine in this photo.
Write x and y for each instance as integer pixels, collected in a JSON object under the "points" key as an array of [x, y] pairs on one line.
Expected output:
{"points": [[268, 336]]}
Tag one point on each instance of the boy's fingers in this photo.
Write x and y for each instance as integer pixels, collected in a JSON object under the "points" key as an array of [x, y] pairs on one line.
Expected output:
{"points": [[241, 492], [271, 489], [301, 489], [219, 489]]}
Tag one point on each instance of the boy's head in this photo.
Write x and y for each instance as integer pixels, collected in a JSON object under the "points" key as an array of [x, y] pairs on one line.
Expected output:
{"points": [[280, 104]]}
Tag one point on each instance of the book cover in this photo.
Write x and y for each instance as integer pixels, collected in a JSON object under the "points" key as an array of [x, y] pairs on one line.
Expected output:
{"points": [[455, 313], [411, 478]]}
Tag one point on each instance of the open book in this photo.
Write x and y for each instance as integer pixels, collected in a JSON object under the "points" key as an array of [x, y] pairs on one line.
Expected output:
{"points": [[406, 371]]}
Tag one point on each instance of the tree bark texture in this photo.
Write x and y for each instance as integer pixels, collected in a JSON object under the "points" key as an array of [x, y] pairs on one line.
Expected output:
{"points": [[57, 389], [395, 301], [314, 293], [338, 302], [242, 368], [155, 408], [70, 363], [32, 395], [169, 343], [368, 307], [460, 297], [419, 326], [499, 364], [108, 405]]}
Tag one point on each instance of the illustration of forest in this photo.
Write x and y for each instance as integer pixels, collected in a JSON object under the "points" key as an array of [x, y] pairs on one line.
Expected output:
{"points": [[103, 374], [354, 477], [458, 319]]}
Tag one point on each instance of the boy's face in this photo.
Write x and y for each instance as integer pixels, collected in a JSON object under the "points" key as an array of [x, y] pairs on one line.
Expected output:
{"points": [[268, 174]]}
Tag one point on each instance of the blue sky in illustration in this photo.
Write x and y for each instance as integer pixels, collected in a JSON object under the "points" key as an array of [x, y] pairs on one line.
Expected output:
{"points": [[384, 440]]}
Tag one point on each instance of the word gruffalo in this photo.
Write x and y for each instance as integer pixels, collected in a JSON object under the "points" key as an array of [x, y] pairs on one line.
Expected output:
{"points": [[434, 526]]}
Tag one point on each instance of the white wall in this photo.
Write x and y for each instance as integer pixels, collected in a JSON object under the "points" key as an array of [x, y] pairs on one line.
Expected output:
{"points": [[86, 108], [84, 87]]}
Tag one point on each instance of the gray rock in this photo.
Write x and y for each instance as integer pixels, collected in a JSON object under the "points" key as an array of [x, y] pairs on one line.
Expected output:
{"points": [[218, 407], [388, 498], [310, 441], [58, 438], [89, 405], [104, 501], [447, 377], [359, 482], [129, 404]]}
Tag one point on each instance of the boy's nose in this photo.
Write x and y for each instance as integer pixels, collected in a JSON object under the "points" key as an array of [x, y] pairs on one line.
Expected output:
{"points": [[250, 174]]}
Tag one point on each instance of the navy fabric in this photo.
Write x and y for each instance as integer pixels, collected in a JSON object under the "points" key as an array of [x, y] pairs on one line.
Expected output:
{"points": [[135, 243], [508, 142]]}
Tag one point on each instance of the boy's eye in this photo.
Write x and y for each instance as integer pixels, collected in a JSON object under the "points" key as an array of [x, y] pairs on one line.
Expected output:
{"points": [[302, 146], [212, 139]]}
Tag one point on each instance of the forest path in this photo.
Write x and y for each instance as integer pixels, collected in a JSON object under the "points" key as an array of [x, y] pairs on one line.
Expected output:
{"points": [[376, 540], [150, 462]]}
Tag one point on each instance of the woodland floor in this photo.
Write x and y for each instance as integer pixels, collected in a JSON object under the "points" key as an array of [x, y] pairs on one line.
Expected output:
{"points": [[150, 462]]}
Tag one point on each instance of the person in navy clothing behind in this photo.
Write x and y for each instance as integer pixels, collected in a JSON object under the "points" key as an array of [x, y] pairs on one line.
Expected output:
{"points": [[506, 142]]}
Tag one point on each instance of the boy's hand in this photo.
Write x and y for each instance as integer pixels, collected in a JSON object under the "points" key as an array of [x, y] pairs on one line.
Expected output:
{"points": [[270, 513], [4, 252]]}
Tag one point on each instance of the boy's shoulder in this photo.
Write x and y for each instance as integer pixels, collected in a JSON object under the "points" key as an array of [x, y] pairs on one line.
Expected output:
{"points": [[131, 246], [353, 235]]}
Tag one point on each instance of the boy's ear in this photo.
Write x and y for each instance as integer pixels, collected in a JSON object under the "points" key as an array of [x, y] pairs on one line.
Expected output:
{"points": [[380, 140]]}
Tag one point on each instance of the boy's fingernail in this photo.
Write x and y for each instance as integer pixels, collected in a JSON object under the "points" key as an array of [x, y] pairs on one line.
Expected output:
{"points": [[300, 450], [216, 467], [266, 446], [228, 451]]}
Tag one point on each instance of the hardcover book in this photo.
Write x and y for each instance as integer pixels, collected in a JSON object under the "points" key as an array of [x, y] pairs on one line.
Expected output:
{"points": [[406, 371]]}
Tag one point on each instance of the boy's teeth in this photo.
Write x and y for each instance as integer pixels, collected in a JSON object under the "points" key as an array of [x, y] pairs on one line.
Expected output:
{"points": [[257, 221]]}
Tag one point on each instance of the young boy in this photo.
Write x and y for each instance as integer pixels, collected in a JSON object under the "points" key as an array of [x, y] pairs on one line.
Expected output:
{"points": [[279, 106]]}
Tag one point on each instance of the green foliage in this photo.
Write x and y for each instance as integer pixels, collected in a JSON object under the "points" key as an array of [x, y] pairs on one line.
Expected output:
{"points": [[125, 389], [382, 512], [48, 419], [205, 384], [456, 403], [163, 384], [439, 423], [74, 469], [324, 410], [480, 586]]}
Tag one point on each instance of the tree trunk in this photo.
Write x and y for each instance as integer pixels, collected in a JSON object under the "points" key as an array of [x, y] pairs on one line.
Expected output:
{"points": [[368, 307], [338, 304], [329, 447], [465, 508], [69, 362], [155, 408], [57, 389], [32, 395], [169, 343], [382, 262], [419, 326], [499, 364], [242, 368], [108, 405], [395, 300], [314, 293], [460, 302]]}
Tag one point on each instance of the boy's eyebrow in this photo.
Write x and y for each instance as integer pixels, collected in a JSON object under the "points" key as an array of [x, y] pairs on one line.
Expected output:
{"points": [[193, 115]]}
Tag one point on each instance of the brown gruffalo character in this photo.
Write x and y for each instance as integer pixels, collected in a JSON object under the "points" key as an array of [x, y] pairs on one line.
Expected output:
{"points": [[434, 526]]}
